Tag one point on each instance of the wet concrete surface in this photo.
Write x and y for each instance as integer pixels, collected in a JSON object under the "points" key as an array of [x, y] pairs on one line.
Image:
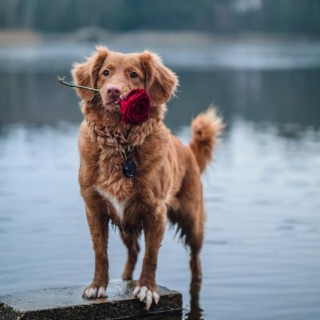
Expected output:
{"points": [[67, 303]]}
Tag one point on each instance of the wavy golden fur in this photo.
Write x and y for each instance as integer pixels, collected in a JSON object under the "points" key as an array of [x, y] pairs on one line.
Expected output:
{"points": [[167, 183]]}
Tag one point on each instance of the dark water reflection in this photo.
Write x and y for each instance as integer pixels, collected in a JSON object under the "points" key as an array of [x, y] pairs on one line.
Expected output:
{"points": [[261, 256], [288, 99]]}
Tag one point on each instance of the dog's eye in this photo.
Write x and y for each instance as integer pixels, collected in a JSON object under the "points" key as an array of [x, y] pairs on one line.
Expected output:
{"points": [[105, 73], [133, 75]]}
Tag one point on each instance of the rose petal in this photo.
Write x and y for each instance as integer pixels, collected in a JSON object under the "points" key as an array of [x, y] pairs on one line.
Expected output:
{"points": [[135, 106]]}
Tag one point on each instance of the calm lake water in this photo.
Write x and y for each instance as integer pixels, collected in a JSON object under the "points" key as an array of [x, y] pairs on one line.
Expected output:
{"points": [[261, 255]]}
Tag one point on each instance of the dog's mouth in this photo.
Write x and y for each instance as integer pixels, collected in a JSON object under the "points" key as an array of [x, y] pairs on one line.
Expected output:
{"points": [[112, 103]]}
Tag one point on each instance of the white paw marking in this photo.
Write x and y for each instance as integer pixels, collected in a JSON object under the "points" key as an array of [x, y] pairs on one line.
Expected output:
{"points": [[136, 290], [156, 297], [102, 292], [92, 293], [142, 294], [148, 299], [147, 296]]}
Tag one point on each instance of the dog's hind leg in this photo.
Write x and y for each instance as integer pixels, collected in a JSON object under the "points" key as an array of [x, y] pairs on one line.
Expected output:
{"points": [[189, 214], [191, 226], [194, 239], [130, 239]]}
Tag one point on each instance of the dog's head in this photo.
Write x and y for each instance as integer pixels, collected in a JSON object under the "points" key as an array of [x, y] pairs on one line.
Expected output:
{"points": [[113, 72]]}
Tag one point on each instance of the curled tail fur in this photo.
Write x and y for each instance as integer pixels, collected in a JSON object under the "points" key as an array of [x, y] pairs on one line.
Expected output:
{"points": [[206, 128]]}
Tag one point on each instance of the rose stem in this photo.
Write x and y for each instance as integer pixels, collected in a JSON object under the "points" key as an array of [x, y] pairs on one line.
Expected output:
{"points": [[60, 80]]}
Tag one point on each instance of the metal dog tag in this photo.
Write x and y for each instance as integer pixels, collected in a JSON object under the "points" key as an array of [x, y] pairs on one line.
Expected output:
{"points": [[129, 169]]}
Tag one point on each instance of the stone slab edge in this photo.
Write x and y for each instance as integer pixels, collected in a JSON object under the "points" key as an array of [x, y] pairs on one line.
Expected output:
{"points": [[118, 305]]}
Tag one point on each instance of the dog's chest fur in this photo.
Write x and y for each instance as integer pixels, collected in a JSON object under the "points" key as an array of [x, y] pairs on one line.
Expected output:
{"points": [[118, 205]]}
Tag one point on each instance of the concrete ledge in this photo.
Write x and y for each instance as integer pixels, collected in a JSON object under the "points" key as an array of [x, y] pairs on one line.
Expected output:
{"points": [[67, 303]]}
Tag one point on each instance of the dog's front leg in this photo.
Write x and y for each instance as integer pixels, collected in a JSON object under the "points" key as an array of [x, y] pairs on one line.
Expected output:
{"points": [[154, 225], [98, 224]]}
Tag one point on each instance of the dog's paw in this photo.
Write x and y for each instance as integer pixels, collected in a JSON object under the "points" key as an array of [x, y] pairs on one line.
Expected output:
{"points": [[145, 295], [94, 292]]}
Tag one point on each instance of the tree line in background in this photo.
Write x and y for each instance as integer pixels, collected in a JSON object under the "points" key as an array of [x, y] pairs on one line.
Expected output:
{"points": [[214, 16]]}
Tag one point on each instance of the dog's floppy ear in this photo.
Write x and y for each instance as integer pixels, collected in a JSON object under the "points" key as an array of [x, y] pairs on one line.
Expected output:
{"points": [[87, 73], [161, 82]]}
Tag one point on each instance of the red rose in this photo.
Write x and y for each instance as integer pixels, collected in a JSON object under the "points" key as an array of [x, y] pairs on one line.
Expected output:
{"points": [[135, 106]]}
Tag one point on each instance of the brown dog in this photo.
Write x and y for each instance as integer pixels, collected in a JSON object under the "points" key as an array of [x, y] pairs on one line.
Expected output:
{"points": [[167, 179]]}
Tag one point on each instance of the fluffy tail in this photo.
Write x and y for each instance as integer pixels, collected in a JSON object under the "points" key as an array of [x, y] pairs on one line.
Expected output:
{"points": [[206, 128]]}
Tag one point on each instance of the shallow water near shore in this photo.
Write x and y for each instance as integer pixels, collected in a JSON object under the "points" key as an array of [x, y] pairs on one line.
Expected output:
{"points": [[261, 255]]}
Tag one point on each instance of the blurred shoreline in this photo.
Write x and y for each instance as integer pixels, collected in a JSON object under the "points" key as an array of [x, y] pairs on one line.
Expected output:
{"points": [[22, 51], [93, 34]]}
